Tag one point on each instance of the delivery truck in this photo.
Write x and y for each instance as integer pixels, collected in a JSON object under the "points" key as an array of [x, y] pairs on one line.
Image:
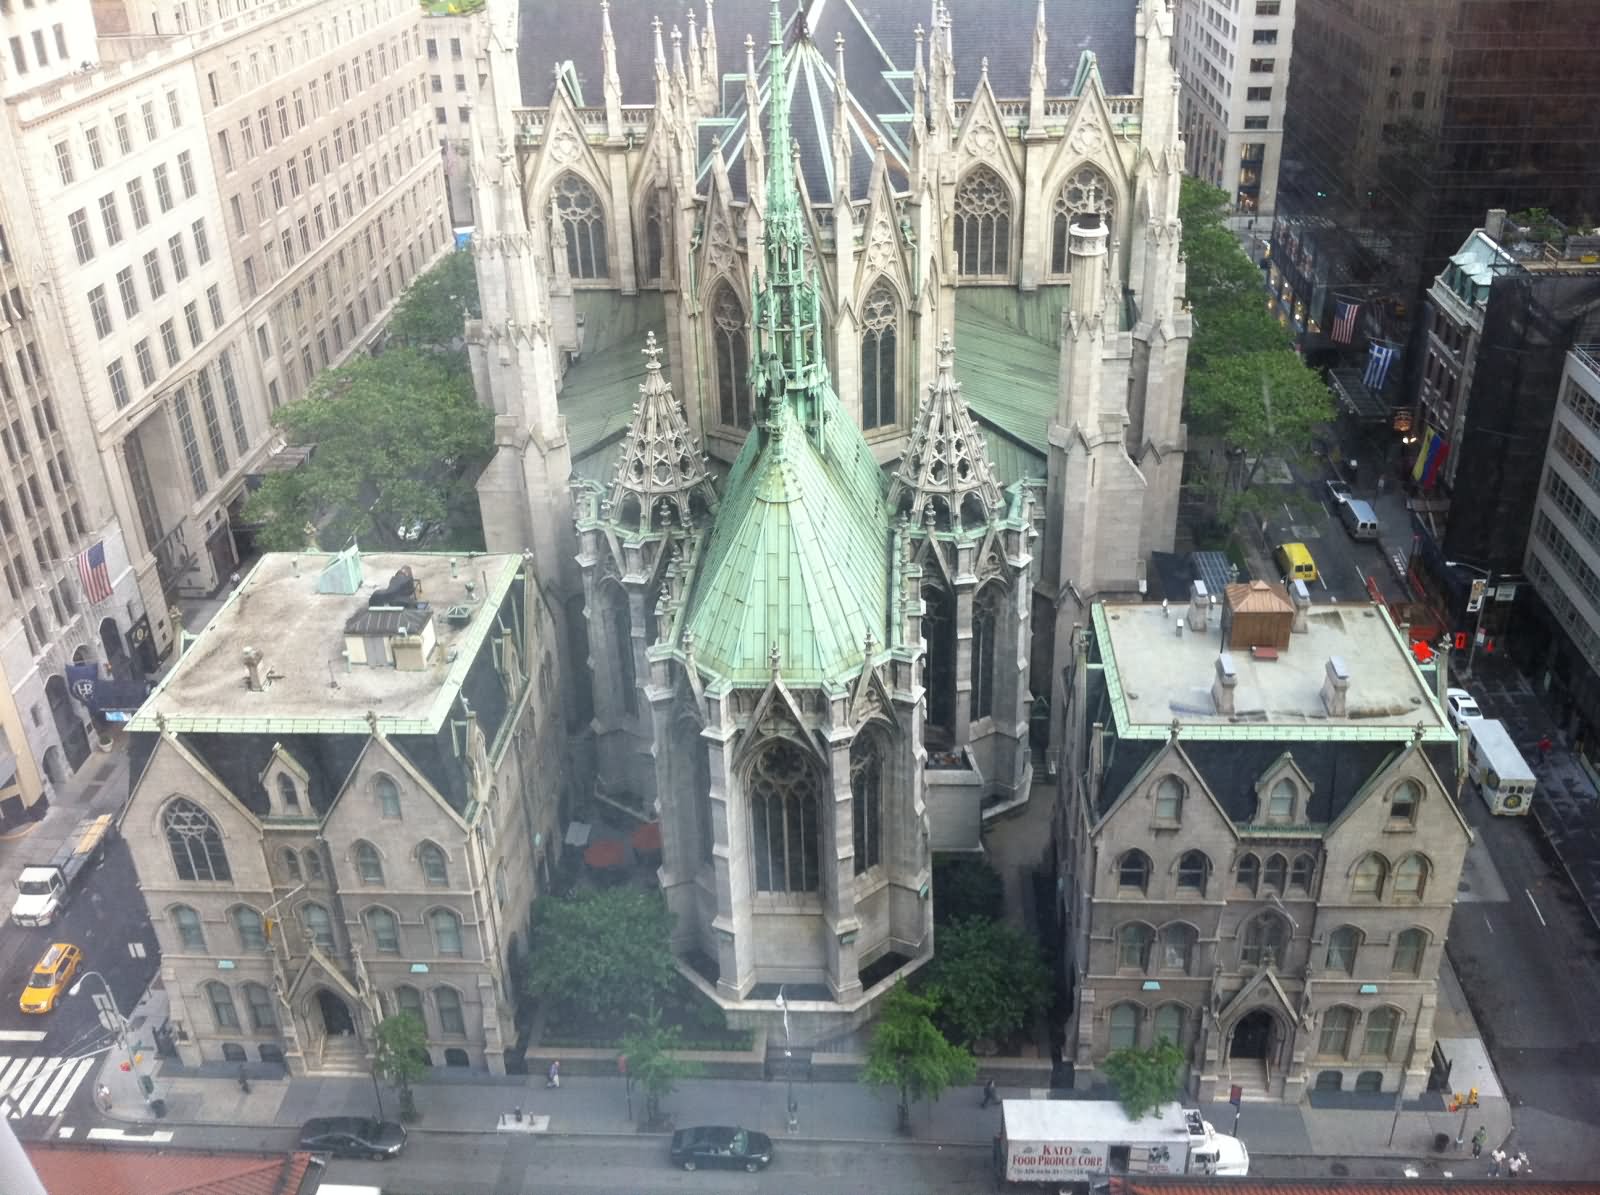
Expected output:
{"points": [[1064, 1144], [1504, 779], [43, 889]]}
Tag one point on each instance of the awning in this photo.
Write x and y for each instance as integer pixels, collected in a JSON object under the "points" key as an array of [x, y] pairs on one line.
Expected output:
{"points": [[1355, 397], [647, 837], [606, 854]]}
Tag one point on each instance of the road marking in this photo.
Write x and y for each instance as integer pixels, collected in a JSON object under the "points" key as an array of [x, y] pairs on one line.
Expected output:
{"points": [[1488, 923], [159, 1137], [71, 1078], [41, 1086], [20, 1078], [22, 1034], [1535, 905]]}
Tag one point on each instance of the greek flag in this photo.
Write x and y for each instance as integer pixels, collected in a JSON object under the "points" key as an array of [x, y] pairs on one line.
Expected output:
{"points": [[1379, 358]]}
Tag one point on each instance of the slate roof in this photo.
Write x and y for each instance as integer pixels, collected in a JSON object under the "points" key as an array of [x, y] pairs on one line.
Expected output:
{"points": [[81, 1169], [601, 386], [1007, 342]]}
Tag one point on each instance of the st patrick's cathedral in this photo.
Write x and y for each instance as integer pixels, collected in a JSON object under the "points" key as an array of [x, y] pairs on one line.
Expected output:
{"points": [[837, 364]]}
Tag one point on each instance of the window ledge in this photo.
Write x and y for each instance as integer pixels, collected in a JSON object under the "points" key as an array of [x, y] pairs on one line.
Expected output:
{"points": [[1162, 823], [1400, 828]]}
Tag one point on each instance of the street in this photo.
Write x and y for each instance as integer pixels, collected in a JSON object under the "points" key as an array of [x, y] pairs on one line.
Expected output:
{"points": [[1307, 515]]}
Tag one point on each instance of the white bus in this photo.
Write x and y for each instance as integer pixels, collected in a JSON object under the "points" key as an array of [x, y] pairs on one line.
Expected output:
{"points": [[1504, 779]]}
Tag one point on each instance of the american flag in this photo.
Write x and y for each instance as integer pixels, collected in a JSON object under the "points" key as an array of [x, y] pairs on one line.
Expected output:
{"points": [[1344, 324], [93, 573]]}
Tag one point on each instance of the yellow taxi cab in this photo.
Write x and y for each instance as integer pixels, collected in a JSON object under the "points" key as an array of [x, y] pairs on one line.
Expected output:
{"points": [[1296, 562], [51, 977]]}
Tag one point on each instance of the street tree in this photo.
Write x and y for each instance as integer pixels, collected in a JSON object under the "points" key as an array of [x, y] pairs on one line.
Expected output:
{"points": [[433, 311], [647, 1055], [1144, 1079], [400, 1057], [603, 953], [909, 1054], [988, 981], [399, 440]]}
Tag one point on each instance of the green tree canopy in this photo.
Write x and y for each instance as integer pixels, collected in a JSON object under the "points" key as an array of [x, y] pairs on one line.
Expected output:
{"points": [[604, 952], [909, 1053], [400, 440], [965, 888], [988, 980], [400, 1056], [433, 311], [651, 1064], [1145, 1079]]}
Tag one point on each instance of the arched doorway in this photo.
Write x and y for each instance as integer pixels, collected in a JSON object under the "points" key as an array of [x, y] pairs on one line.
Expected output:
{"points": [[69, 727], [336, 1018], [1252, 1035], [54, 769]]}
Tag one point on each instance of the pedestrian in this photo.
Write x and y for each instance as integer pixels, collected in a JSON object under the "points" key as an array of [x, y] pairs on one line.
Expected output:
{"points": [[1523, 1166], [1515, 1165], [989, 1096], [1497, 1161], [102, 1097], [1544, 749], [1478, 1139], [553, 1076]]}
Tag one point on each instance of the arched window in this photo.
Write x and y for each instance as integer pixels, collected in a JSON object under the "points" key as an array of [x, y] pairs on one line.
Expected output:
{"points": [[289, 861], [1369, 876], [195, 843], [1411, 878], [1133, 871], [1264, 940], [448, 1002], [1404, 802], [1337, 1025], [939, 668], [1383, 1024], [1169, 1024], [730, 343], [1087, 190], [1247, 873], [1280, 801], [388, 794], [369, 866], [583, 223], [222, 1009], [500, 885], [1408, 950], [263, 1016], [318, 925], [288, 792], [408, 1000], [1370, 1081], [1275, 873], [385, 930], [248, 926], [983, 225], [1177, 947], [446, 927], [783, 819], [866, 791], [986, 609], [191, 934], [1133, 947], [1169, 799], [654, 241], [1342, 946], [435, 868], [313, 864], [1301, 873], [1125, 1026], [878, 329], [620, 624], [1194, 872]]}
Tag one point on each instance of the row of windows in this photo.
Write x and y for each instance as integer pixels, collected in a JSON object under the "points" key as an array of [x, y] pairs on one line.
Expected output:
{"points": [[1338, 1037], [94, 141], [1567, 612], [262, 63], [1283, 802], [261, 1008], [155, 282], [1142, 948], [432, 863], [78, 223], [41, 53], [1371, 877], [250, 928], [1569, 556]]}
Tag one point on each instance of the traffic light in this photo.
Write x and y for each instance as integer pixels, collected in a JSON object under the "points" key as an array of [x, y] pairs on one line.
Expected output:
{"points": [[1461, 641]]}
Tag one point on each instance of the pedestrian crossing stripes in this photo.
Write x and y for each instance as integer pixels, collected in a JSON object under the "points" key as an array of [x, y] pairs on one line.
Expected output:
{"points": [[40, 1086]]}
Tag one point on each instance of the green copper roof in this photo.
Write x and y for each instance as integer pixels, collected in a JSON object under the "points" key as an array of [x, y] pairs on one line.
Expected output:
{"points": [[600, 388], [1011, 366]]}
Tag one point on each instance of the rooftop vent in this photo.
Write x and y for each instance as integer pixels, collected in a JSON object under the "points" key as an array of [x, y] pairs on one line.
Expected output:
{"points": [[1336, 687], [458, 616], [256, 676]]}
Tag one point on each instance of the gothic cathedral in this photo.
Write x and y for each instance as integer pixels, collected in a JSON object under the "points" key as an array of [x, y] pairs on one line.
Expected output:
{"points": [[830, 388]]}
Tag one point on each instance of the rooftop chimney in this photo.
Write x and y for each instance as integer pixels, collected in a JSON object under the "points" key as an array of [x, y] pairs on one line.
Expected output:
{"points": [[255, 671], [1301, 597], [1222, 687], [1494, 224], [1199, 605], [1336, 687]]}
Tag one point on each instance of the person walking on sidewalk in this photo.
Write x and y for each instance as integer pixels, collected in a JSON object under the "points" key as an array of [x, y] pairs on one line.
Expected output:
{"points": [[102, 1097], [1497, 1161], [1515, 1165], [1478, 1139], [553, 1075], [989, 1096], [1544, 749]]}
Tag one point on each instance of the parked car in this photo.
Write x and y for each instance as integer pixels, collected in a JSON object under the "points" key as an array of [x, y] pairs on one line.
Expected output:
{"points": [[1461, 707], [51, 976], [1338, 491], [721, 1145], [353, 1137]]}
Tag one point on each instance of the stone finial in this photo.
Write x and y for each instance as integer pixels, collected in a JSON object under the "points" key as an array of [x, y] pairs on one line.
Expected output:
{"points": [[869, 644], [775, 660], [652, 351], [1174, 730], [372, 721]]}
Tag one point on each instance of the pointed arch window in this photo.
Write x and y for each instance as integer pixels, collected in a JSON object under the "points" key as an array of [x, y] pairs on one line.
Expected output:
{"points": [[1125, 1026], [1408, 951], [583, 224], [248, 925], [939, 666], [385, 930], [985, 629], [435, 866], [1338, 1023], [784, 822], [866, 790], [621, 628], [654, 240], [369, 865], [1086, 190], [195, 843], [1383, 1025], [879, 327], [983, 225], [223, 1012], [318, 925], [1264, 940], [730, 343], [263, 1017]]}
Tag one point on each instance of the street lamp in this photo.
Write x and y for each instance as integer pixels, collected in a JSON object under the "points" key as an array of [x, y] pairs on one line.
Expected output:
{"points": [[120, 1027], [1483, 601]]}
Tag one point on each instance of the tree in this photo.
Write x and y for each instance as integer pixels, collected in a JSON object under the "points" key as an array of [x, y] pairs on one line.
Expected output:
{"points": [[988, 980], [965, 888], [1145, 1079], [399, 442], [400, 1057], [433, 311], [604, 952], [647, 1053], [909, 1053]]}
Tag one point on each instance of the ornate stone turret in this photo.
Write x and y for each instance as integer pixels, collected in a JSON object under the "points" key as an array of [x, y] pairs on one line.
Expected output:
{"points": [[661, 477], [946, 469]]}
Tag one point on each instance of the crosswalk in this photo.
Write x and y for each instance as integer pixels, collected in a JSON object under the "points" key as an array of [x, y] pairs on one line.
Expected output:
{"points": [[40, 1086]]}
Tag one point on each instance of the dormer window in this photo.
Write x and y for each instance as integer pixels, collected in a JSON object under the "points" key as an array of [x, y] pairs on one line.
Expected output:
{"points": [[1281, 801], [1169, 799], [288, 791]]}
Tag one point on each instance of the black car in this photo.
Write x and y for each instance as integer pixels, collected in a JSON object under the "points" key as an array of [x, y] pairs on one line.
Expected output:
{"points": [[721, 1145], [353, 1137]]}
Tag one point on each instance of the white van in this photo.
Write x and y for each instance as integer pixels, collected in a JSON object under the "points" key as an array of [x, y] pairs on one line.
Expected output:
{"points": [[1504, 779], [1360, 520]]}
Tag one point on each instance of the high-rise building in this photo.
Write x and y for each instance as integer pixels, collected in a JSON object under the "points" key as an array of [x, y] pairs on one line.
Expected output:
{"points": [[1233, 58], [450, 38]]}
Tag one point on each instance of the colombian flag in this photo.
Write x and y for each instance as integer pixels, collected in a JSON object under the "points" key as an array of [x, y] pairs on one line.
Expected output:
{"points": [[1429, 460]]}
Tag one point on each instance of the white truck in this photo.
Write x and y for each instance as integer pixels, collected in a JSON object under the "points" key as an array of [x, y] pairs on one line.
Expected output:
{"points": [[1072, 1143], [43, 889], [1504, 779]]}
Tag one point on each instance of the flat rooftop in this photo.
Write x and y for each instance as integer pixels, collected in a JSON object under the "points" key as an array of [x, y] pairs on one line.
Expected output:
{"points": [[300, 633], [1154, 674]]}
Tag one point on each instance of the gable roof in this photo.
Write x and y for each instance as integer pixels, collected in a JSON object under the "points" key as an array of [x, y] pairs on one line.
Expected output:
{"points": [[78, 1169]]}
